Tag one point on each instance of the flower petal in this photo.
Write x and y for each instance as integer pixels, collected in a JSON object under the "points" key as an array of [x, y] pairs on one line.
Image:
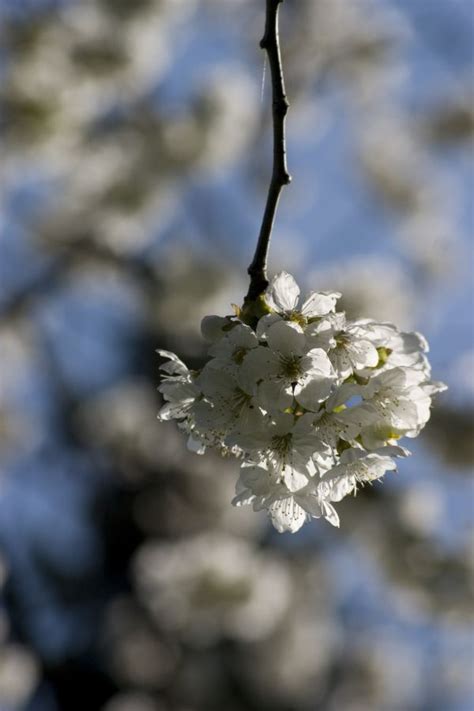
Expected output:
{"points": [[318, 362], [287, 515], [286, 338], [340, 486], [330, 513], [195, 445], [175, 366], [319, 303], [363, 354], [259, 363], [274, 396], [173, 411], [313, 392], [293, 477], [264, 323], [341, 361], [212, 327], [282, 293], [310, 501]]}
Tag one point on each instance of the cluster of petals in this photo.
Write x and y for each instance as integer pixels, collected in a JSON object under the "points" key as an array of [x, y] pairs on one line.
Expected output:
{"points": [[311, 403]]}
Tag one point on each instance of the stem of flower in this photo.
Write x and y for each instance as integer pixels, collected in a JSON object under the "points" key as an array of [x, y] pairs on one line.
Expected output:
{"points": [[280, 176]]}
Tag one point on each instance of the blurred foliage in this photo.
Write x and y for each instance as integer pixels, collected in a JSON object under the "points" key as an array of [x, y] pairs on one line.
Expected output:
{"points": [[135, 160]]}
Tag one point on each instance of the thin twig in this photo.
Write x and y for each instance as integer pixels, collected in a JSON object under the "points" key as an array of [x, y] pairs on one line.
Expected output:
{"points": [[280, 176]]}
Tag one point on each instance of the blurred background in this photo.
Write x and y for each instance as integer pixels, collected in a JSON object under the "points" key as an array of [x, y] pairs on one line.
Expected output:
{"points": [[136, 152]]}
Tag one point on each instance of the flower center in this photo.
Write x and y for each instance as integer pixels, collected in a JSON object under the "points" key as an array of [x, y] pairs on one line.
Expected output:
{"points": [[240, 399], [281, 444], [383, 356], [297, 317], [290, 367], [342, 340], [238, 355]]}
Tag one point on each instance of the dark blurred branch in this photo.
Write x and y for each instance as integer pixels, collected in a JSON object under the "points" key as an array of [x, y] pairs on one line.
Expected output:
{"points": [[63, 264], [451, 432], [280, 176]]}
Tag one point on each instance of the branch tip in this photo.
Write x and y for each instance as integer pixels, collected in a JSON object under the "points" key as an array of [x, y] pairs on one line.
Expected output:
{"points": [[280, 176]]}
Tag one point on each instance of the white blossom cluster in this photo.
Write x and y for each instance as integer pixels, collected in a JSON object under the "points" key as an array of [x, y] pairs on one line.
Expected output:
{"points": [[313, 404]]}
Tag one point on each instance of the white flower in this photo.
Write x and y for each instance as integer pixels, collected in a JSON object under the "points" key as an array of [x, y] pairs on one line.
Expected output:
{"points": [[177, 388], [358, 467], [226, 405], [282, 296], [349, 347], [285, 369], [399, 400], [331, 428], [312, 403], [181, 395], [396, 403], [288, 510], [287, 445], [395, 347], [230, 350]]}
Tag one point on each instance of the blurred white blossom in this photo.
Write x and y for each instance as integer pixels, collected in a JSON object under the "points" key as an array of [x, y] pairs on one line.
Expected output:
{"points": [[18, 675], [213, 585], [372, 286]]}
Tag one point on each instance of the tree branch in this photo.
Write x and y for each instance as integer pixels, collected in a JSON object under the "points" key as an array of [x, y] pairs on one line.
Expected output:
{"points": [[280, 176]]}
